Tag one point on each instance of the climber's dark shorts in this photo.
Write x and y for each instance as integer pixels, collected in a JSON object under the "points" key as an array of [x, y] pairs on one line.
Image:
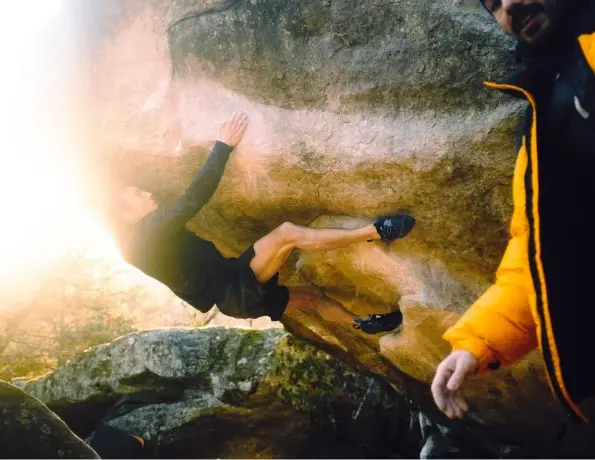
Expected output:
{"points": [[242, 296]]}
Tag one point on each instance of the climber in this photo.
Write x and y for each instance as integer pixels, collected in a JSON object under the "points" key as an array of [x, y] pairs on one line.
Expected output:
{"points": [[157, 242], [542, 294]]}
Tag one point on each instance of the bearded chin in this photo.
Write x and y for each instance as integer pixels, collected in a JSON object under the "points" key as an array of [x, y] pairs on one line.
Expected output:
{"points": [[548, 51]]}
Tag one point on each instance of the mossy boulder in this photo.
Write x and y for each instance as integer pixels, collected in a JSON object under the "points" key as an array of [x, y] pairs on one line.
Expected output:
{"points": [[28, 429], [227, 392]]}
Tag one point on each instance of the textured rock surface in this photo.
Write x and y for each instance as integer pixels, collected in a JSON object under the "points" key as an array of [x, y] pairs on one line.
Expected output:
{"points": [[28, 429], [357, 108], [228, 393]]}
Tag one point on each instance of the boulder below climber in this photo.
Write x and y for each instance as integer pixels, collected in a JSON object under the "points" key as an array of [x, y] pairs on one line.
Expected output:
{"points": [[226, 393], [28, 429], [233, 393]]}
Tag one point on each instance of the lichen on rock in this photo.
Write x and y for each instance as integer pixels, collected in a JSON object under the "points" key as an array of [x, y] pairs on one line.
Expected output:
{"points": [[222, 392]]}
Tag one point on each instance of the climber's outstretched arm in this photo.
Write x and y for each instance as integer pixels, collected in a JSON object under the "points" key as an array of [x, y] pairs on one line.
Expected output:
{"points": [[205, 183]]}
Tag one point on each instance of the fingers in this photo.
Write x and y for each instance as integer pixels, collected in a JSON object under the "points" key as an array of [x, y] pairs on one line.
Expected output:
{"points": [[447, 382], [233, 121], [243, 125], [452, 411], [439, 386], [458, 377], [458, 406], [238, 120], [241, 120], [242, 117], [232, 131], [460, 402], [455, 406], [458, 410]]}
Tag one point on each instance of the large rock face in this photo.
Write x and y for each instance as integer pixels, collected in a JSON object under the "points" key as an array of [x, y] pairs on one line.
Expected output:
{"points": [[358, 108], [227, 393], [28, 429]]}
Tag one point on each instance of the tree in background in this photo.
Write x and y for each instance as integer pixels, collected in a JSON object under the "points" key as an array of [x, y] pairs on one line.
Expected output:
{"points": [[80, 303], [83, 300]]}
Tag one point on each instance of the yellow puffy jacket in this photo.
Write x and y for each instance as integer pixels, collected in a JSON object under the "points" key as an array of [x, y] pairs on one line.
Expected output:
{"points": [[536, 299]]}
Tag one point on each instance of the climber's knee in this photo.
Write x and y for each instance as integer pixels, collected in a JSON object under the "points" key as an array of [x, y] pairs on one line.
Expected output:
{"points": [[288, 233]]}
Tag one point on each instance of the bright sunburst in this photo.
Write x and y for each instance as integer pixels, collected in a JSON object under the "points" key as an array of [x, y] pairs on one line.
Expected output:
{"points": [[41, 183]]}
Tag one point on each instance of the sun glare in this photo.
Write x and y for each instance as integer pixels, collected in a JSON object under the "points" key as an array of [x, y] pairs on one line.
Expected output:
{"points": [[41, 182]]}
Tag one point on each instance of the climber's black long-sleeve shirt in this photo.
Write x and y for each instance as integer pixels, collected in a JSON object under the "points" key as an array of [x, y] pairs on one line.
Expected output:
{"points": [[162, 247]]}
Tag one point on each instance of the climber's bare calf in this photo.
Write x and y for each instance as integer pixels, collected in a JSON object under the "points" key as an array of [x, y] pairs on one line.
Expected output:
{"points": [[157, 241], [273, 249], [312, 300]]}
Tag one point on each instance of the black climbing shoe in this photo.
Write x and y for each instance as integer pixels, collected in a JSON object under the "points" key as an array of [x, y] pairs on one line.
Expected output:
{"points": [[394, 227], [374, 324]]}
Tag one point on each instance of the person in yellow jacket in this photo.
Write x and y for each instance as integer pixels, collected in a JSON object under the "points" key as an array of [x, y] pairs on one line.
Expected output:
{"points": [[543, 292]]}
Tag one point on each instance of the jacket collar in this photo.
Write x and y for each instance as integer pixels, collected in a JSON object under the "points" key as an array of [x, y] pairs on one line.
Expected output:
{"points": [[528, 80]]}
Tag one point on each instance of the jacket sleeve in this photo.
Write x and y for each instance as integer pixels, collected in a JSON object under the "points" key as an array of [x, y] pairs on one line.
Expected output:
{"points": [[499, 328], [198, 193]]}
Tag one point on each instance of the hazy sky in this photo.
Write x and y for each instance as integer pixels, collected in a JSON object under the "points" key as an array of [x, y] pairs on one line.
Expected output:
{"points": [[43, 208]]}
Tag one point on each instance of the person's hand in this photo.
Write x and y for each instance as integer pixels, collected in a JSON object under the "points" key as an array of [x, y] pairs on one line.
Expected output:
{"points": [[231, 131], [450, 376]]}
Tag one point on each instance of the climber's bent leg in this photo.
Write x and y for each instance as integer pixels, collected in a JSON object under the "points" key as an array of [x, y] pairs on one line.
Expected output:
{"points": [[242, 293], [246, 297], [247, 287], [315, 302], [273, 249]]}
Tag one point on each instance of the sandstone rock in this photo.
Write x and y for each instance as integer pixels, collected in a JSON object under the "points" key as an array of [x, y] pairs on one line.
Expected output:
{"points": [[358, 108], [227, 393], [28, 429]]}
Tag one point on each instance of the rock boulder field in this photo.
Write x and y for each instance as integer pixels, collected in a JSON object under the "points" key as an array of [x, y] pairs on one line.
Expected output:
{"points": [[358, 108]]}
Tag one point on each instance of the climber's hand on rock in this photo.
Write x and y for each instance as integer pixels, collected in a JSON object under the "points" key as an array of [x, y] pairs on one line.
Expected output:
{"points": [[231, 131], [448, 381]]}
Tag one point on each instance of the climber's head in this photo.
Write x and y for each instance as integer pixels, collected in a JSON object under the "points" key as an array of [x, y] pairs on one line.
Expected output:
{"points": [[136, 204], [125, 205], [527, 20]]}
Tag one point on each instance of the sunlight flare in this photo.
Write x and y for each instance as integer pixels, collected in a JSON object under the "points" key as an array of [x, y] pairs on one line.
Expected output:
{"points": [[42, 184]]}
